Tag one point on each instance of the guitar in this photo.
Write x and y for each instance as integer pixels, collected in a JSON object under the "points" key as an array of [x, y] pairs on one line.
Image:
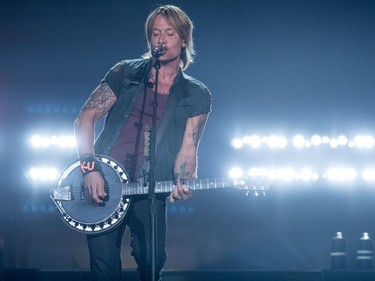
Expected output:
{"points": [[70, 198]]}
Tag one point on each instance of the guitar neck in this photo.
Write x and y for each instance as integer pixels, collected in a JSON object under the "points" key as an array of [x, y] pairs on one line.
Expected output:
{"points": [[138, 188]]}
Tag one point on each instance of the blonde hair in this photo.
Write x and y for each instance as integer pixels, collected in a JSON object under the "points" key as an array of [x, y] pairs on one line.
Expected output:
{"points": [[183, 25]]}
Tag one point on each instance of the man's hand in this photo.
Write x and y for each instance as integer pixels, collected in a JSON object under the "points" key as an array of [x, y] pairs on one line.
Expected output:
{"points": [[94, 186], [180, 192]]}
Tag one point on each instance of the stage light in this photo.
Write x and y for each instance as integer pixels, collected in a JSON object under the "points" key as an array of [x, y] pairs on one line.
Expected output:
{"points": [[359, 141], [290, 174], [316, 140], [284, 174], [341, 174], [258, 172], [38, 141], [237, 143], [287, 174], [369, 174], [325, 140], [298, 141], [318, 158], [308, 144], [235, 173], [254, 141], [334, 143], [276, 141], [61, 141], [364, 141], [43, 174], [342, 140], [308, 174]]}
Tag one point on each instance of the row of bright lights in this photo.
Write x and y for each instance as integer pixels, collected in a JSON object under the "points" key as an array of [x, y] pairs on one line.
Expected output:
{"points": [[43, 174], [305, 174], [254, 141], [61, 141], [299, 141], [287, 174]]}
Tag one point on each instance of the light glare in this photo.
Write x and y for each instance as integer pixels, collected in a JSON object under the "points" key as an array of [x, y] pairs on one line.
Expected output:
{"points": [[237, 143], [316, 140], [235, 173], [341, 174], [255, 141], [298, 141], [368, 174], [43, 174], [62, 141]]}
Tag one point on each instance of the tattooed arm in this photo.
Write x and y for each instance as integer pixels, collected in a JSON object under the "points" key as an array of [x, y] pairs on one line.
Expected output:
{"points": [[185, 166], [99, 103]]}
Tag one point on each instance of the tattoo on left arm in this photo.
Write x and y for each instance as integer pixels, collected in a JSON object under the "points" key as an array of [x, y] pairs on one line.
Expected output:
{"points": [[197, 130], [183, 175]]}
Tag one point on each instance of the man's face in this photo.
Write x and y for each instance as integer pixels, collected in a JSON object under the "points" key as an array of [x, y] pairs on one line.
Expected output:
{"points": [[164, 34]]}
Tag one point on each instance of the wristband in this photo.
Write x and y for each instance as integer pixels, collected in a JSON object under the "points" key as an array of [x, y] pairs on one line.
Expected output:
{"points": [[90, 164]]}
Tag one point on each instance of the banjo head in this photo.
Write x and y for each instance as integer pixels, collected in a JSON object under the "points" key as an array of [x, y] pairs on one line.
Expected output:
{"points": [[76, 211]]}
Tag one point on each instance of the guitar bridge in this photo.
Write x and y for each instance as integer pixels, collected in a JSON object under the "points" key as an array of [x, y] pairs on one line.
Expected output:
{"points": [[62, 193]]}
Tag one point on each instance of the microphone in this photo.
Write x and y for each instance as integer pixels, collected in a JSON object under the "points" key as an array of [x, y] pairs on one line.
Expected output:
{"points": [[158, 51]]}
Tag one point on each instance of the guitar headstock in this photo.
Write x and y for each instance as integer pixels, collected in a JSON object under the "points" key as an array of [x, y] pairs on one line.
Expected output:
{"points": [[255, 186]]}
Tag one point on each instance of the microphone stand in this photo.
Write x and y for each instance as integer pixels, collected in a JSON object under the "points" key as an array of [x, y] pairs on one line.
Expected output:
{"points": [[151, 187]]}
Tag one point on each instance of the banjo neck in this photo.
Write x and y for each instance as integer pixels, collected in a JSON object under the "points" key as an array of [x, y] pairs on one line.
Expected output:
{"points": [[139, 188]]}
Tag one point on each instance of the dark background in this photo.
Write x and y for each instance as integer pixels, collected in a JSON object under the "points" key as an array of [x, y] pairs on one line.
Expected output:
{"points": [[273, 67]]}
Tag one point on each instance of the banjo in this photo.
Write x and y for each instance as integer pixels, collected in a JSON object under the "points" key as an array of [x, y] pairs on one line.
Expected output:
{"points": [[71, 201]]}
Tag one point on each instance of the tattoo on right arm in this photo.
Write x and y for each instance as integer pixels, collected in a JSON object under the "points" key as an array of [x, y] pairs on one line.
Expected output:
{"points": [[101, 99]]}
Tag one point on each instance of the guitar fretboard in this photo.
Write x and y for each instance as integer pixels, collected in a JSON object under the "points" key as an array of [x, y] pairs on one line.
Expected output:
{"points": [[138, 188]]}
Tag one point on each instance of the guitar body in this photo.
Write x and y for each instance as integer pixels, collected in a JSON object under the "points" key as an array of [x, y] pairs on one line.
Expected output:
{"points": [[71, 200]]}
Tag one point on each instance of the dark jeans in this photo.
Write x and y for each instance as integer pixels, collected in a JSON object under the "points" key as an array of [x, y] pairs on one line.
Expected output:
{"points": [[105, 249]]}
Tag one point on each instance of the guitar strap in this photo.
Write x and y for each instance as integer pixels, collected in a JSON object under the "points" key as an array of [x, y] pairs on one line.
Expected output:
{"points": [[174, 100]]}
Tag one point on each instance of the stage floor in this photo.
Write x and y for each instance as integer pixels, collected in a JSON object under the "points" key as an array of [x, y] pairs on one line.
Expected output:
{"points": [[130, 275]]}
